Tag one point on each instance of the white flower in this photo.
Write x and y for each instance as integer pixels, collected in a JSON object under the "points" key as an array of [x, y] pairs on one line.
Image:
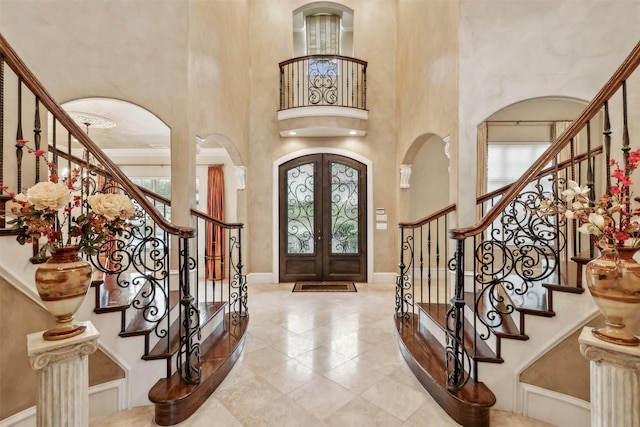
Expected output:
{"points": [[112, 205], [15, 208], [49, 195], [575, 191], [594, 226]]}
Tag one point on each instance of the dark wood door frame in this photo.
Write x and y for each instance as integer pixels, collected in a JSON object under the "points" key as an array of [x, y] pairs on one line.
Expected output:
{"points": [[322, 262]]}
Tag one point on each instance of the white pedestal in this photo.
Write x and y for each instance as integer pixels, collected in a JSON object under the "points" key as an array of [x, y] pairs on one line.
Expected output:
{"points": [[615, 381], [63, 377]]}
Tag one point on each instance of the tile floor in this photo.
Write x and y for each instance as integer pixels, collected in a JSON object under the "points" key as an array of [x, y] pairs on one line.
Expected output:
{"points": [[319, 359]]}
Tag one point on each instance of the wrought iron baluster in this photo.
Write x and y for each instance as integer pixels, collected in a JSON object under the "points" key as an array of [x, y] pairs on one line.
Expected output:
{"points": [[19, 137], [189, 371], [625, 133], [2, 180], [456, 356], [607, 145], [36, 136], [400, 279]]}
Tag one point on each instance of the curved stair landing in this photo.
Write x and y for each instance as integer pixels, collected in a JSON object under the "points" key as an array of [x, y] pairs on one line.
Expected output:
{"points": [[174, 400], [469, 406]]}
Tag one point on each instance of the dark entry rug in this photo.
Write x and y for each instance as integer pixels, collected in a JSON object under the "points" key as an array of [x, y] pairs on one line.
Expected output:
{"points": [[324, 287]]}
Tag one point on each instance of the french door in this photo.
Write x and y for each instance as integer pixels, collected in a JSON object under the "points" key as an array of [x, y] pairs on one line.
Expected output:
{"points": [[323, 221]]}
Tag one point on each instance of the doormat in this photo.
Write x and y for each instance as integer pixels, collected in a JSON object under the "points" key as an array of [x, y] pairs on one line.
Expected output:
{"points": [[324, 287]]}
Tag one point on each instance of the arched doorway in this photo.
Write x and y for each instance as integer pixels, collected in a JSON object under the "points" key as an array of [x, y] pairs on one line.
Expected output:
{"points": [[322, 219]]}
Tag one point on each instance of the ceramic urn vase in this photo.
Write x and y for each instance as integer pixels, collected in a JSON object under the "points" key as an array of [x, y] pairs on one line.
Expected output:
{"points": [[63, 282], [614, 282]]}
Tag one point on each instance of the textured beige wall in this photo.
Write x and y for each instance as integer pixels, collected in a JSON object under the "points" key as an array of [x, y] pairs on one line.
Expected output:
{"points": [[219, 65], [270, 25], [427, 99], [18, 382], [429, 180]]}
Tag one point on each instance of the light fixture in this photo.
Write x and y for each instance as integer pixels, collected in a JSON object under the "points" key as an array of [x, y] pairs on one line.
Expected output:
{"points": [[93, 120], [352, 132], [292, 132]]}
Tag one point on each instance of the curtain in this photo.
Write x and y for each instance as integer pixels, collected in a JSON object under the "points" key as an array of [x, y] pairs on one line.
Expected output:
{"points": [[215, 240], [323, 34], [481, 168], [556, 130]]}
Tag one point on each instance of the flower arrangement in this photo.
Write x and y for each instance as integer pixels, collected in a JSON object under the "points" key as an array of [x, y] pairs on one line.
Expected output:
{"points": [[54, 210], [610, 220]]}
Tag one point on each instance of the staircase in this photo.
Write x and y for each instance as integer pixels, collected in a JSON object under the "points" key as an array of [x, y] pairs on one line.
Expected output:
{"points": [[463, 296], [152, 281]]}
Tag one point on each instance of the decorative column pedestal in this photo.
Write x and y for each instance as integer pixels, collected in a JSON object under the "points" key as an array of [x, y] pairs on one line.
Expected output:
{"points": [[615, 381], [63, 377]]}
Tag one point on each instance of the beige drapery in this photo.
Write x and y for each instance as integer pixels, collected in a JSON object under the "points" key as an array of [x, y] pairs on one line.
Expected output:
{"points": [[215, 240], [482, 166], [323, 34], [556, 130]]}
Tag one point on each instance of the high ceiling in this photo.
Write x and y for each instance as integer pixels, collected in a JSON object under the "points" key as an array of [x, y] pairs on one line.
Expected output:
{"points": [[115, 124]]}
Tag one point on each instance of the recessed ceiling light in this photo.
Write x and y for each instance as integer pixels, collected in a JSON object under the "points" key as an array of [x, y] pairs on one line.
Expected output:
{"points": [[352, 132], [292, 132]]}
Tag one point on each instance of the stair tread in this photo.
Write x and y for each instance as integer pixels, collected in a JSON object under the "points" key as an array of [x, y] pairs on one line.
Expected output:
{"points": [[533, 301], [438, 312], [506, 327], [141, 325], [113, 297], [160, 351], [174, 399], [426, 357], [564, 288]]}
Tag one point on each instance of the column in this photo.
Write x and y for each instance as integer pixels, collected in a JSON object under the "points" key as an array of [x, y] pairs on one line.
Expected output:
{"points": [[615, 381], [63, 377]]}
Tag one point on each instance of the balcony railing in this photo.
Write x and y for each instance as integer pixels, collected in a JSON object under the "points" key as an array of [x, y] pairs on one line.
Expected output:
{"points": [[323, 80]]}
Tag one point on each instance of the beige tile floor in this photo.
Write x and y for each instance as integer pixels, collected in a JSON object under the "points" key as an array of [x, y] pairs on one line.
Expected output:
{"points": [[319, 359]]}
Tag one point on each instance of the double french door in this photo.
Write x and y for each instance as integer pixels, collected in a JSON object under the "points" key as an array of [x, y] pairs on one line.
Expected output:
{"points": [[322, 220]]}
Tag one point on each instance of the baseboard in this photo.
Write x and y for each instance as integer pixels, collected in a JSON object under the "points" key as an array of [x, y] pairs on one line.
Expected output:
{"points": [[107, 398], [104, 399], [556, 408], [384, 278], [260, 279]]}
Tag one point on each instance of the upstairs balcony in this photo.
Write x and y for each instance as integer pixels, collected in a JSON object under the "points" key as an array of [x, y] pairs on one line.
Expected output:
{"points": [[323, 96]]}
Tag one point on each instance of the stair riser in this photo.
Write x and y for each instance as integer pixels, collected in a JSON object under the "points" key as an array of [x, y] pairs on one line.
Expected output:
{"points": [[492, 341]]}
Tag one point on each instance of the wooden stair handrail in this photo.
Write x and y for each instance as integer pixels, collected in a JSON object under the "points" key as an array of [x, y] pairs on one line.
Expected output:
{"points": [[147, 192], [419, 223], [29, 79], [608, 90]]}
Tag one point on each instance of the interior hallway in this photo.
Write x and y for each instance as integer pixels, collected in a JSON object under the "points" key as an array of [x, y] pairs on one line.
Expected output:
{"points": [[319, 359]]}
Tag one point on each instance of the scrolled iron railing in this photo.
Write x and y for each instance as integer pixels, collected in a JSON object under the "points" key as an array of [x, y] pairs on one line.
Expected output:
{"points": [[516, 253], [511, 259], [323, 80], [143, 258], [424, 253]]}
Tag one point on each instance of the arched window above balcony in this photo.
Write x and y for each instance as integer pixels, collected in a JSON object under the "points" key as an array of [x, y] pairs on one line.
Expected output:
{"points": [[323, 28]]}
